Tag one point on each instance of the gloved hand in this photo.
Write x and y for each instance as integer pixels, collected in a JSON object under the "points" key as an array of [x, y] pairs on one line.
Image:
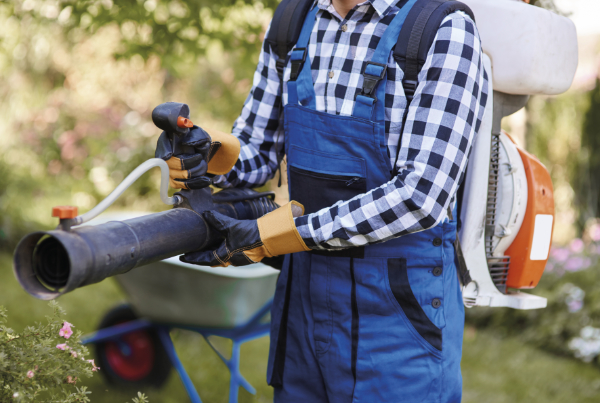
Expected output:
{"points": [[204, 152], [188, 170], [249, 241]]}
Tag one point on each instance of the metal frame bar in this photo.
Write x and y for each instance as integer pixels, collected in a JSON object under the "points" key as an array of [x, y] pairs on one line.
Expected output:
{"points": [[253, 329]]}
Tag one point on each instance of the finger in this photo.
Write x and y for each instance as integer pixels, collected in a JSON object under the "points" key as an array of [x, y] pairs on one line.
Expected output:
{"points": [[198, 170], [196, 137], [213, 258], [177, 184], [204, 258], [178, 174], [197, 183], [175, 163], [191, 161]]}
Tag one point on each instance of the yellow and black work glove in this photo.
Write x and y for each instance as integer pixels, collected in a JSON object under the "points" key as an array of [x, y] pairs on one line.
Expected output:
{"points": [[249, 241], [206, 153]]}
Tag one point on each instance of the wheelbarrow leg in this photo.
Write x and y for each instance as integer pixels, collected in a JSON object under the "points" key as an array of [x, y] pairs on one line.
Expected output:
{"points": [[237, 379], [165, 338]]}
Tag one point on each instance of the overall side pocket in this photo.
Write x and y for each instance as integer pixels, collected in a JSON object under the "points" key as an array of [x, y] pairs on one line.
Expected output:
{"points": [[403, 293]]}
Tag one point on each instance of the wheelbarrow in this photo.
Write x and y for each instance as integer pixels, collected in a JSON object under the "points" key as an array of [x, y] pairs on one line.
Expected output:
{"points": [[133, 344]]}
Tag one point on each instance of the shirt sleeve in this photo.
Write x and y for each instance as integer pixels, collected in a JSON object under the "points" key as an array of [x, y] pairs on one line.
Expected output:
{"points": [[258, 129], [442, 121]]}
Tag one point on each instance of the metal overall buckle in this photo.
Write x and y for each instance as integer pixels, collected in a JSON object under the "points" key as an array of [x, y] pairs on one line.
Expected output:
{"points": [[297, 61], [370, 81]]}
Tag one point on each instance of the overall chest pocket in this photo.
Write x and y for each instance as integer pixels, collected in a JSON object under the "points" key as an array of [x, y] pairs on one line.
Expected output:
{"points": [[317, 190], [319, 180]]}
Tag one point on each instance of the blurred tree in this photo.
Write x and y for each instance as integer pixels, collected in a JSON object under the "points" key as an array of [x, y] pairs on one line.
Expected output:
{"points": [[554, 136], [586, 183]]}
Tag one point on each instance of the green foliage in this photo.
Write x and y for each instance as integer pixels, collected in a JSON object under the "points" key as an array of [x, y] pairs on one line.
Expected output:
{"points": [[45, 361], [174, 30], [40, 363], [79, 80]]}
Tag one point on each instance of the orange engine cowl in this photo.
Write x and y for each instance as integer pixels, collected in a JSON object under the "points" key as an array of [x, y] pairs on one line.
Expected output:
{"points": [[529, 250]]}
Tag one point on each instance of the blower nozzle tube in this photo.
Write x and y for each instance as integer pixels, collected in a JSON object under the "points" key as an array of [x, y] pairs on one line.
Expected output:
{"points": [[48, 264], [51, 263]]}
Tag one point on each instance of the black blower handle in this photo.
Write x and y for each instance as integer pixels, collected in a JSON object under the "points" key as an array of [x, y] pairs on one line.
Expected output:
{"points": [[174, 119]]}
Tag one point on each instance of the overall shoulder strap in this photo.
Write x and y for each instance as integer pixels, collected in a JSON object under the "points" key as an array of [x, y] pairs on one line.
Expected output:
{"points": [[285, 28], [417, 35]]}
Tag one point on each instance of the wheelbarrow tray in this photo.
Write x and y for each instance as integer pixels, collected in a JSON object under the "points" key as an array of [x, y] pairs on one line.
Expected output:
{"points": [[173, 292]]}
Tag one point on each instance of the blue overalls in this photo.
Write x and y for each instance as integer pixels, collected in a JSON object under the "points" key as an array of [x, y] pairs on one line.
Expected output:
{"points": [[380, 323]]}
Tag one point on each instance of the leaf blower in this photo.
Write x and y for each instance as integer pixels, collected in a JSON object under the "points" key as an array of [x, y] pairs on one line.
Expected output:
{"points": [[48, 264], [507, 204]]}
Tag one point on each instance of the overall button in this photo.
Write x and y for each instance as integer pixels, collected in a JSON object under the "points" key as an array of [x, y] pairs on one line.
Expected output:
{"points": [[437, 271], [437, 242], [436, 303]]}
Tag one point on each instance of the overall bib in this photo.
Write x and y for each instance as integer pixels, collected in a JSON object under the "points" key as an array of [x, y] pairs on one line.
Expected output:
{"points": [[379, 323]]}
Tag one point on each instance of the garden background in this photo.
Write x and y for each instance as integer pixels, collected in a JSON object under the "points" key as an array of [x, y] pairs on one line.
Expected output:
{"points": [[78, 81]]}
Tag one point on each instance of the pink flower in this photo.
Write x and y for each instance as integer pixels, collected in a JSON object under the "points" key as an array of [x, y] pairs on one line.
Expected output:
{"points": [[595, 232], [575, 264], [576, 245], [66, 331], [560, 254], [62, 346], [30, 374], [74, 354], [94, 367], [70, 379]]}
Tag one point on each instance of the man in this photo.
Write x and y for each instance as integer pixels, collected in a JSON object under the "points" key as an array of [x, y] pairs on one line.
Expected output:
{"points": [[370, 309]]}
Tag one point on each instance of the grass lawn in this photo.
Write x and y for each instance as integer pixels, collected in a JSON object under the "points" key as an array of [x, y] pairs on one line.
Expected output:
{"points": [[495, 370]]}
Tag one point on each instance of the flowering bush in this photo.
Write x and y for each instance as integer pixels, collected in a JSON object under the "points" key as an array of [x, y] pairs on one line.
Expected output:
{"points": [[570, 325], [44, 362]]}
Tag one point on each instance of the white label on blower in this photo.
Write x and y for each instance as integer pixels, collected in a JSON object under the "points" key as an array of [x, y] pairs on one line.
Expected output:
{"points": [[542, 234]]}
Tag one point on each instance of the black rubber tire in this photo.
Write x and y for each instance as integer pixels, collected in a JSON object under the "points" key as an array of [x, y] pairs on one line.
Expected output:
{"points": [[161, 365]]}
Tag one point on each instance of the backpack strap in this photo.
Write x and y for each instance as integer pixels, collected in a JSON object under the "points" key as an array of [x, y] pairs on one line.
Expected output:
{"points": [[285, 29], [417, 35], [414, 41], [286, 26]]}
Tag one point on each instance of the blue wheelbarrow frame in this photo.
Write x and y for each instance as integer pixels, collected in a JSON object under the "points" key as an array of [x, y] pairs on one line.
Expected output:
{"points": [[253, 329]]}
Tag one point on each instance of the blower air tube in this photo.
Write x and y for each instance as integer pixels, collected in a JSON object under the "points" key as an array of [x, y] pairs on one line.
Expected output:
{"points": [[51, 263]]}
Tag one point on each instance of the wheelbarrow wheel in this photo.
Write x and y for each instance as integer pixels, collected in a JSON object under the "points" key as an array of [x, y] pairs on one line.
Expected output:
{"points": [[137, 359]]}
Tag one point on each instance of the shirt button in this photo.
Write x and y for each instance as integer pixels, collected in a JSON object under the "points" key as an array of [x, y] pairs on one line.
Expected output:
{"points": [[437, 271], [344, 28], [436, 303], [331, 74], [437, 242]]}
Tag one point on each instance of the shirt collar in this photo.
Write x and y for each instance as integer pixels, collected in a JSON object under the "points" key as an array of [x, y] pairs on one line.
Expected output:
{"points": [[380, 6]]}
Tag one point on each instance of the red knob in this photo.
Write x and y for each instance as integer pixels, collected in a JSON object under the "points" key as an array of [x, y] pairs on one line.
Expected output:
{"points": [[184, 122], [64, 212]]}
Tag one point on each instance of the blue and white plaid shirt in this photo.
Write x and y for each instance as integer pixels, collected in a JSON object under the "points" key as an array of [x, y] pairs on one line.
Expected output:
{"points": [[442, 121]]}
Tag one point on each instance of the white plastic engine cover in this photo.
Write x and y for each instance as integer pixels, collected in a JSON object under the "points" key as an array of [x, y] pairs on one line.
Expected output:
{"points": [[512, 196], [482, 291], [533, 50]]}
